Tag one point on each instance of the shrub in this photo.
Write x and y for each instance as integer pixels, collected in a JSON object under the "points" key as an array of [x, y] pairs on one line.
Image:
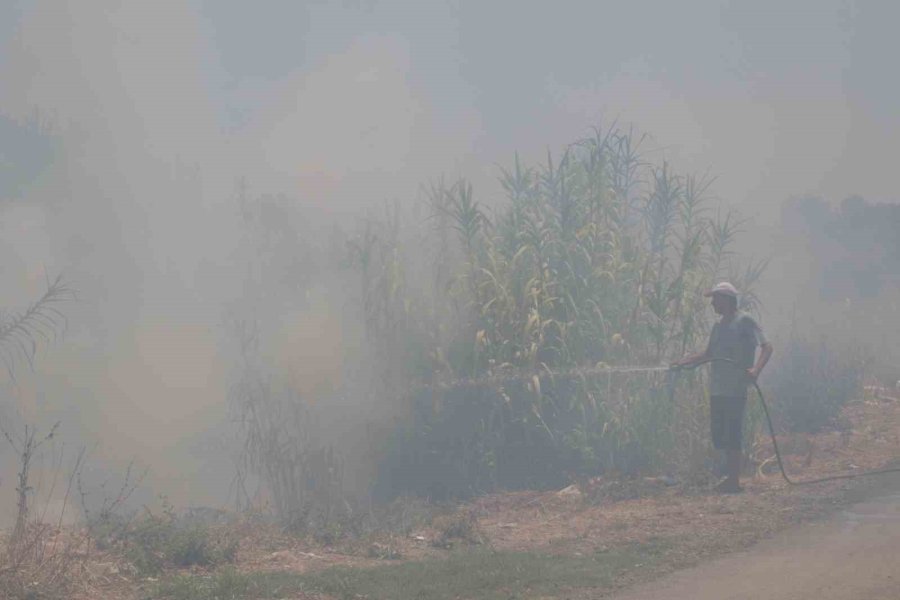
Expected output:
{"points": [[812, 380], [154, 542], [455, 529]]}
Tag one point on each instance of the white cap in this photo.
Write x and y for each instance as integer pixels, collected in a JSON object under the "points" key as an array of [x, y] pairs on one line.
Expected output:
{"points": [[724, 288]]}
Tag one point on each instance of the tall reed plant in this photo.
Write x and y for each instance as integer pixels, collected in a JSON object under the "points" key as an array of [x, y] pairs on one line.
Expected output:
{"points": [[594, 258]]}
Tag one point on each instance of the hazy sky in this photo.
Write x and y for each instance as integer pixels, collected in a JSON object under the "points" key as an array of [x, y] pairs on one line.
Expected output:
{"points": [[777, 98], [160, 108]]}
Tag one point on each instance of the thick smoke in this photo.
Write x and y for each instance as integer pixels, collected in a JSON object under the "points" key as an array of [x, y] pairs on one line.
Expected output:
{"points": [[137, 131]]}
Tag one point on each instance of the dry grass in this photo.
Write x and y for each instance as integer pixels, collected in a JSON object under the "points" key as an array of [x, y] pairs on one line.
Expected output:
{"points": [[631, 530], [630, 511], [43, 561], [602, 517]]}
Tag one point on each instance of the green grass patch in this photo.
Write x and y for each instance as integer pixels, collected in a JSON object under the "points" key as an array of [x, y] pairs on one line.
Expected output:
{"points": [[475, 574]]}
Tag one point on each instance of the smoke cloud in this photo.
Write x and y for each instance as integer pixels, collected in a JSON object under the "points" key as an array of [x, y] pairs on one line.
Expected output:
{"points": [[141, 126]]}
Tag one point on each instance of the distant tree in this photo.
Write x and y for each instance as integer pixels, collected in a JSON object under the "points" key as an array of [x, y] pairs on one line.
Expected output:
{"points": [[856, 245]]}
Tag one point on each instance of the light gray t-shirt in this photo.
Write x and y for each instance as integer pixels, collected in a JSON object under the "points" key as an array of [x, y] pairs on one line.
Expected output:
{"points": [[737, 339]]}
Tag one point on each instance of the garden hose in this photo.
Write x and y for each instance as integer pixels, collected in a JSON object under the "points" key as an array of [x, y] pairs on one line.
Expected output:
{"points": [[762, 401]]}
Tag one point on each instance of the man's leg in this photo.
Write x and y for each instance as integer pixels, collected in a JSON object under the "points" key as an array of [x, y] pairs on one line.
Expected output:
{"points": [[733, 442], [727, 424], [733, 469]]}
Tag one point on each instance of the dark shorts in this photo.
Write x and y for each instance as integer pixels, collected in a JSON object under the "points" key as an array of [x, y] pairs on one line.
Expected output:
{"points": [[726, 416]]}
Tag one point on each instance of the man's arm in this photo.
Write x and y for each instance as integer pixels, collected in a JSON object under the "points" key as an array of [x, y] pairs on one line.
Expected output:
{"points": [[692, 359], [765, 353]]}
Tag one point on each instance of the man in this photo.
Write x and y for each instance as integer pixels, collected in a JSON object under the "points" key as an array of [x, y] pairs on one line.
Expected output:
{"points": [[734, 337]]}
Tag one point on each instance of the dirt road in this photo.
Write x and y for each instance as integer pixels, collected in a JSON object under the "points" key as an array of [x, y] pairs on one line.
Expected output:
{"points": [[855, 554]]}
